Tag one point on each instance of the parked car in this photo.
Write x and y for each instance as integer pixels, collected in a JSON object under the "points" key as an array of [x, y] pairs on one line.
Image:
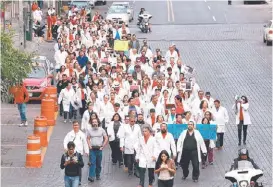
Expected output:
{"points": [[101, 1], [40, 77], [254, 1], [88, 5], [118, 14], [129, 8], [268, 33]]}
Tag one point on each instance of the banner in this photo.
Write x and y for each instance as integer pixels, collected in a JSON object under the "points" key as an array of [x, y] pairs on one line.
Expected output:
{"points": [[208, 131], [121, 45]]}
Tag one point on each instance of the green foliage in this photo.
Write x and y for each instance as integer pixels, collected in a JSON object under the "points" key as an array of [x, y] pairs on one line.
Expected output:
{"points": [[15, 64]]}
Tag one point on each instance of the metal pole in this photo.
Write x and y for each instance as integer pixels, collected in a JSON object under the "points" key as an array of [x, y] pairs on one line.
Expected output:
{"points": [[30, 20], [21, 25]]}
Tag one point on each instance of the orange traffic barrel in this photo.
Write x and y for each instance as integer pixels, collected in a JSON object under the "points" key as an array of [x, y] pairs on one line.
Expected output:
{"points": [[33, 157], [40, 129], [48, 110], [51, 92]]}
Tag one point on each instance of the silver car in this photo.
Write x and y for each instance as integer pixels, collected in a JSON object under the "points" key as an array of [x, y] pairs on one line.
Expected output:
{"points": [[118, 14], [127, 5]]}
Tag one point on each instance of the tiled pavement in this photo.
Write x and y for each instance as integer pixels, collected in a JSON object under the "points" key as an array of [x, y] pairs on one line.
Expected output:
{"points": [[238, 63]]}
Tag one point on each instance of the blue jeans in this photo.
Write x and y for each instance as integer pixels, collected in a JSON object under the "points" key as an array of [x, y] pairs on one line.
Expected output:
{"points": [[71, 181], [95, 158], [22, 109]]}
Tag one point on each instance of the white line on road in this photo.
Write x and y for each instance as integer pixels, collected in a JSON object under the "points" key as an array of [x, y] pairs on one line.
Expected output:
{"points": [[171, 8], [168, 7], [205, 0], [213, 18], [13, 145], [9, 124], [209, 7], [12, 167]]}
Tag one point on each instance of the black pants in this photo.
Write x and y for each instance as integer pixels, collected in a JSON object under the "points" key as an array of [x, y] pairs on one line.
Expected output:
{"points": [[176, 163], [116, 153], [241, 127], [80, 174], [220, 139], [82, 110], [131, 163], [151, 176], [204, 158], [187, 156], [70, 115], [229, 2], [61, 109], [165, 183]]}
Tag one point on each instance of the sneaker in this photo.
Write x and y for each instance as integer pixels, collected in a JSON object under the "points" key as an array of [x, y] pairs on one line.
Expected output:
{"points": [[195, 180], [21, 124], [26, 124], [244, 143], [98, 178], [203, 166], [70, 121], [211, 163], [184, 178], [64, 121], [90, 179]]}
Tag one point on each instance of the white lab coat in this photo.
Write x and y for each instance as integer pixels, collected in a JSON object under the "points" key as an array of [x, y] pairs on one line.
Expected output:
{"points": [[67, 97], [199, 140], [166, 143], [145, 152], [85, 119], [126, 110], [220, 118], [79, 140], [111, 132], [77, 98], [246, 115], [128, 137], [156, 127], [169, 119], [60, 58], [105, 112], [159, 110], [169, 55]]}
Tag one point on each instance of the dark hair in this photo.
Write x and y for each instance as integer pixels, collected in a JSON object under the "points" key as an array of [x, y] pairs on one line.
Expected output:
{"points": [[178, 98], [202, 103], [130, 99], [216, 101], [246, 100], [90, 119], [97, 120], [159, 160], [178, 115], [134, 92], [74, 122], [204, 120], [209, 114], [70, 145], [118, 117]]}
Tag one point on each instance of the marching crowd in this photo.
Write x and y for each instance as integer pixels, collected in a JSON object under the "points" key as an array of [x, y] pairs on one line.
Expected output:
{"points": [[127, 99]]}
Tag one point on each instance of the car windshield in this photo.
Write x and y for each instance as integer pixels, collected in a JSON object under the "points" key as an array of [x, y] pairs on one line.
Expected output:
{"points": [[117, 10], [37, 72], [79, 3]]}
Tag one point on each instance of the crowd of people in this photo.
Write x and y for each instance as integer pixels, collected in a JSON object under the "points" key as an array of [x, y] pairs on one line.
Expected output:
{"points": [[127, 99]]}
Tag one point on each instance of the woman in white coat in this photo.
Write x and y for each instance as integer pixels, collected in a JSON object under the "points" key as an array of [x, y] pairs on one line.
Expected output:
{"points": [[114, 141], [66, 97], [146, 153], [189, 146], [80, 99], [242, 117]]}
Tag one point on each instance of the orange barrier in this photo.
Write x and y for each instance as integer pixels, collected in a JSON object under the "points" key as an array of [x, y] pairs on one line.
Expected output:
{"points": [[33, 157], [51, 92], [48, 110], [49, 28], [40, 129]]}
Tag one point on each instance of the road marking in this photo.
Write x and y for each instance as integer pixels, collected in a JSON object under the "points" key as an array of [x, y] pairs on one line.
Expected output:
{"points": [[168, 7], [225, 17], [213, 18], [10, 124], [12, 167], [209, 7], [205, 0], [172, 11], [11, 145]]}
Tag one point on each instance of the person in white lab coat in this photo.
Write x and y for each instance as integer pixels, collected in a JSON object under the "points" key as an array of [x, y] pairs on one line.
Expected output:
{"points": [[146, 154], [221, 118], [165, 141], [66, 97], [106, 109], [189, 146], [79, 139], [87, 115], [242, 117], [60, 57], [129, 134], [114, 141]]}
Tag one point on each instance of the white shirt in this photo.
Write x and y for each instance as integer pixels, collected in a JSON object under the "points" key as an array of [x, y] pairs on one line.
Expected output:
{"points": [[220, 117], [60, 58], [51, 11], [79, 140], [166, 143]]}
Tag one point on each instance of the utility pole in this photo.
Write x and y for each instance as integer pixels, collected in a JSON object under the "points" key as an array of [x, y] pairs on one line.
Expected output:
{"points": [[21, 25]]}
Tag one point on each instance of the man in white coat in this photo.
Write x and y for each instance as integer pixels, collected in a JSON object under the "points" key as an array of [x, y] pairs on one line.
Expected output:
{"points": [[221, 118], [129, 134], [106, 110], [165, 141], [189, 146], [79, 139], [66, 97], [146, 153], [60, 57]]}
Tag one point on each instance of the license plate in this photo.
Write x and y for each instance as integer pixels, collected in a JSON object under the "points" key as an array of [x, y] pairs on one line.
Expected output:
{"points": [[30, 94]]}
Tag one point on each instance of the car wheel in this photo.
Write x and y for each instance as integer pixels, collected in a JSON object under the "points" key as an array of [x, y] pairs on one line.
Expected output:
{"points": [[268, 43], [245, 2]]}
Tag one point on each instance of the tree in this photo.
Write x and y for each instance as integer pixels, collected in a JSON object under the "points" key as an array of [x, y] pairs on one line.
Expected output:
{"points": [[15, 65]]}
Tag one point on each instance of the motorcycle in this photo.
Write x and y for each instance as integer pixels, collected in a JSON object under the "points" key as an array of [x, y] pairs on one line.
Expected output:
{"points": [[144, 24], [244, 177]]}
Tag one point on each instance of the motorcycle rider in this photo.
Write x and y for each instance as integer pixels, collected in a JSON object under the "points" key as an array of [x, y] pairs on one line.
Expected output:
{"points": [[242, 157], [142, 10]]}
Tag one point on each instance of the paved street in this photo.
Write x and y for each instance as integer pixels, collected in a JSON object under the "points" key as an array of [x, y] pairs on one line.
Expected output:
{"points": [[224, 44]]}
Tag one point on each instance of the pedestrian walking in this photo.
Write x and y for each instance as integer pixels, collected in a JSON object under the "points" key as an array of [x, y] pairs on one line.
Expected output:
{"points": [[129, 134], [221, 118], [165, 168], [165, 141], [72, 162], [114, 141], [242, 117], [146, 153], [189, 146], [86, 116], [79, 139], [66, 97], [209, 145], [229, 2], [97, 140], [60, 86], [21, 97]]}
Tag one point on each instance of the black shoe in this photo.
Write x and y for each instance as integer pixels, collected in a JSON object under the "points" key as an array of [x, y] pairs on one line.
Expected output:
{"points": [[244, 143], [98, 178], [130, 173], [136, 174], [91, 179], [114, 163], [80, 184], [239, 143], [195, 180], [61, 114], [184, 178], [120, 164]]}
